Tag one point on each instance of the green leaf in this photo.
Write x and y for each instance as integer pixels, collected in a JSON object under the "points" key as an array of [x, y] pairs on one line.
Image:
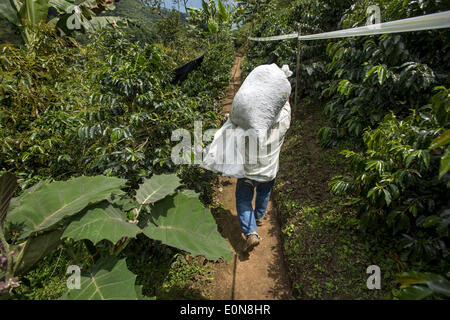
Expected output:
{"points": [[157, 188], [431, 221], [440, 141], [9, 9], [205, 7], [35, 249], [222, 12], [52, 202], [212, 26], [181, 221], [381, 74], [109, 279], [441, 286], [370, 72], [445, 164], [61, 5], [34, 11], [387, 197], [15, 202], [8, 184], [415, 293], [102, 221], [413, 285]]}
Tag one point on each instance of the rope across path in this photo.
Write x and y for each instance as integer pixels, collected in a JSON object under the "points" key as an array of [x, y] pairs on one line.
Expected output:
{"points": [[432, 21]]}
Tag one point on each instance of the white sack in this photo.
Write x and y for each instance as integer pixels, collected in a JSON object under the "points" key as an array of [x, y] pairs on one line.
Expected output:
{"points": [[228, 155], [224, 155], [260, 98]]}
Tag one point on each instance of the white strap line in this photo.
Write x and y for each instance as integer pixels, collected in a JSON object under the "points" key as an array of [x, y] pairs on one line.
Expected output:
{"points": [[427, 22]]}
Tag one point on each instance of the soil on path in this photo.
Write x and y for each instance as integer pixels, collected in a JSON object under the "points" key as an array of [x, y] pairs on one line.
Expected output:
{"points": [[260, 274]]}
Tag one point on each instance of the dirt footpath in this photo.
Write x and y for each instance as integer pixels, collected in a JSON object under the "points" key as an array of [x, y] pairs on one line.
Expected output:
{"points": [[261, 274]]}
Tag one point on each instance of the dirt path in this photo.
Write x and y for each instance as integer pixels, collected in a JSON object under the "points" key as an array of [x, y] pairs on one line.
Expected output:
{"points": [[260, 275]]}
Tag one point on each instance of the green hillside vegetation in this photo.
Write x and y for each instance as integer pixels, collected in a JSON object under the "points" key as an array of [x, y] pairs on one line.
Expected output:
{"points": [[144, 17]]}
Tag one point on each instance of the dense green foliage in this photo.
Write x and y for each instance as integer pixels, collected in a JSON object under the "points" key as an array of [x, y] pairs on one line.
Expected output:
{"points": [[105, 105], [397, 182], [104, 108], [94, 210], [387, 96]]}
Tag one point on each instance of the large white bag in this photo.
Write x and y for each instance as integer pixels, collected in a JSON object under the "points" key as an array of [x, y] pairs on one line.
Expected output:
{"points": [[225, 154], [230, 156], [260, 98]]}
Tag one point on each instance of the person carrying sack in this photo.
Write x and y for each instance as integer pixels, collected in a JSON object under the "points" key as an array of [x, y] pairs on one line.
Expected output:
{"points": [[252, 137]]}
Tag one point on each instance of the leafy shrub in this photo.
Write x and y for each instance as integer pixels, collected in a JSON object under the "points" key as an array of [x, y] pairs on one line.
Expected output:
{"points": [[103, 108], [374, 75], [401, 181]]}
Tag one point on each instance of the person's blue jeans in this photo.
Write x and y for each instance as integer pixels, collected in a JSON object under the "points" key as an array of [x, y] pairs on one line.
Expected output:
{"points": [[245, 189]]}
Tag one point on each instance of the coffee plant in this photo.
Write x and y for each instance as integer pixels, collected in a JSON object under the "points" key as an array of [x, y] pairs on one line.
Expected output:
{"points": [[387, 96]]}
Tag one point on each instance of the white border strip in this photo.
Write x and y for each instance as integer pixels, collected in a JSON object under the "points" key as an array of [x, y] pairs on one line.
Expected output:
{"points": [[427, 22]]}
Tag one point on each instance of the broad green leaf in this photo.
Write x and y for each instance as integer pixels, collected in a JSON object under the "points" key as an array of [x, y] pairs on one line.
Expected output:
{"points": [[34, 11], [181, 221], [370, 72], [415, 293], [109, 279], [9, 10], [61, 5], [381, 74], [441, 286], [15, 202], [157, 188], [442, 140], [409, 278], [8, 184], [431, 221], [55, 201], [445, 164], [36, 248], [102, 221]]}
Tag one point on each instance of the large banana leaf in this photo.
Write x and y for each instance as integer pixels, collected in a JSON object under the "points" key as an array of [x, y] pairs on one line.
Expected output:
{"points": [[157, 188], [102, 221], [109, 279], [34, 11], [183, 222], [36, 249], [8, 183], [52, 202], [9, 9]]}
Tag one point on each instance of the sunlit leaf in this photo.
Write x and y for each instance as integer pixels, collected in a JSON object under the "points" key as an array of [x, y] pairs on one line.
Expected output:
{"points": [[183, 222], [109, 279]]}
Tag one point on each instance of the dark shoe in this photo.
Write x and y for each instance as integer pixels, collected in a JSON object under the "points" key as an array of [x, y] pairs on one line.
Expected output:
{"points": [[252, 241]]}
